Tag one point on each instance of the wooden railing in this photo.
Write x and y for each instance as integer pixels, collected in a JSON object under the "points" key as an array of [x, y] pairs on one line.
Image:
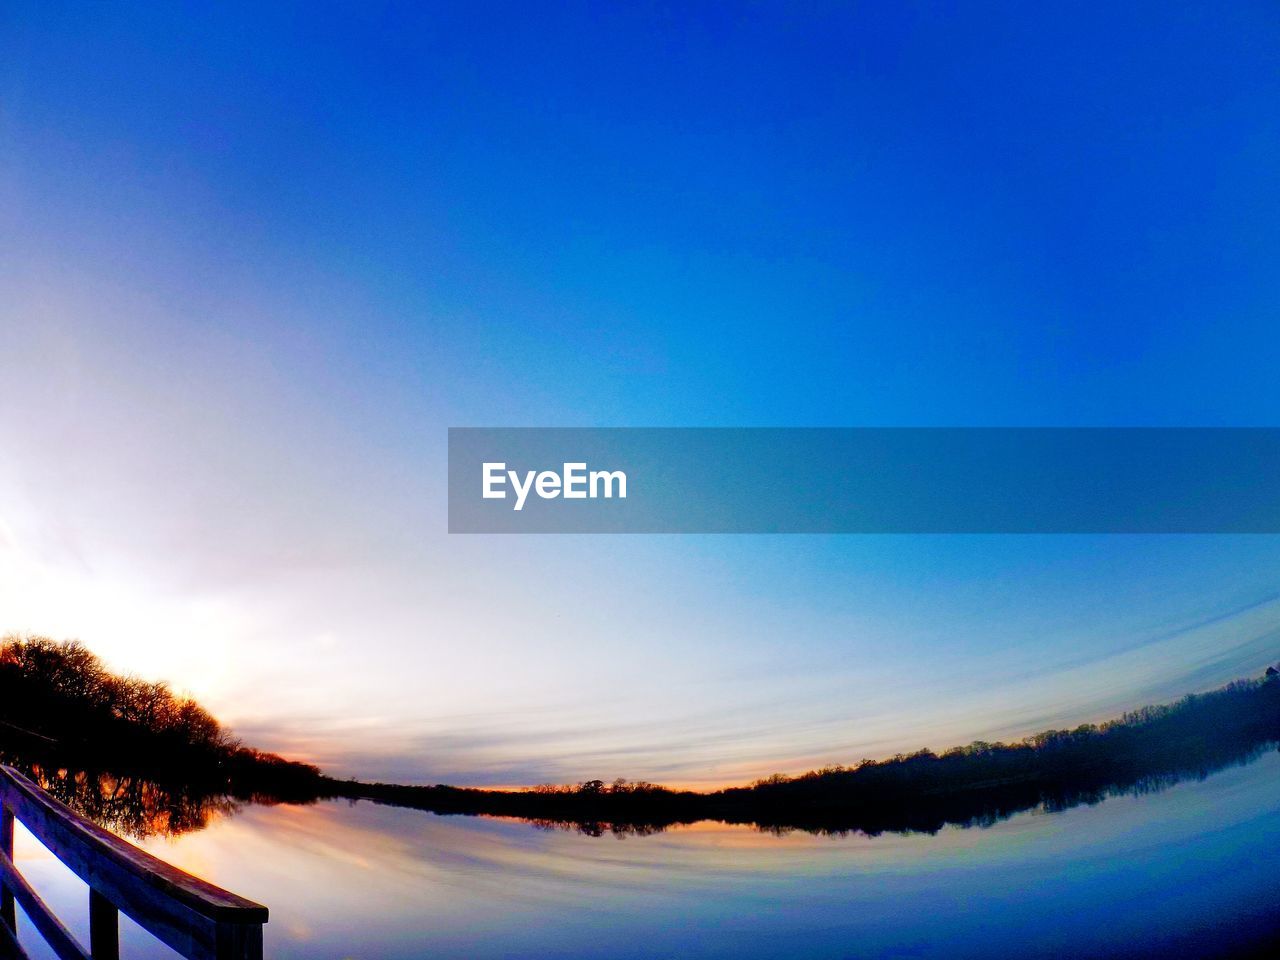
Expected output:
{"points": [[197, 919]]}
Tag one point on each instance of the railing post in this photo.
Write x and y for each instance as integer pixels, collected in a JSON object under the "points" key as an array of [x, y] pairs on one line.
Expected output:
{"points": [[7, 914], [104, 927], [239, 941]]}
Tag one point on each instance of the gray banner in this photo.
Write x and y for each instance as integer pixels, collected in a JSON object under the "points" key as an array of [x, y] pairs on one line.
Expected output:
{"points": [[864, 480]]}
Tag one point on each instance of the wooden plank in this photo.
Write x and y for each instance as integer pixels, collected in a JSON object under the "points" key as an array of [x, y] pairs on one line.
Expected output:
{"points": [[25, 798], [55, 934], [194, 917]]}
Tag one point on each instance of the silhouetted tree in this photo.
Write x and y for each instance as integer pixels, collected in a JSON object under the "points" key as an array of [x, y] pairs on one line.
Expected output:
{"points": [[60, 706]]}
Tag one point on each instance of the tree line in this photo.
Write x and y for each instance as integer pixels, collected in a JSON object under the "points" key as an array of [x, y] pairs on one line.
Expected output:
{"points": [[61, 708], [973, 785]]}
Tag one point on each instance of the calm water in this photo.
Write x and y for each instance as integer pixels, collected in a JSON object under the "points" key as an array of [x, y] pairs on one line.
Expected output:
{"points": [[1194, 868]]}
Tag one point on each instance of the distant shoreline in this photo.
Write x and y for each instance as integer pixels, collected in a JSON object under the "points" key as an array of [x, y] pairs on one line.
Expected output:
{"points": [[1146, 749], [61, 710]]}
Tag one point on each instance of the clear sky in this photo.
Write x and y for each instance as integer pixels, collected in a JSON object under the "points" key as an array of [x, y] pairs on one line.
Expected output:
{"points": [[254, 263]]}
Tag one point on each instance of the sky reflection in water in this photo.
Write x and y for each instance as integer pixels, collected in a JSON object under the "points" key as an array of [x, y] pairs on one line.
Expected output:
{"points": [[1133, 875]]}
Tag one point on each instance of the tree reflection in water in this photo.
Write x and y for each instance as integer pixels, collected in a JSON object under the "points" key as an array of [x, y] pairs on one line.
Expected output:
{"points": [[132, 806]]}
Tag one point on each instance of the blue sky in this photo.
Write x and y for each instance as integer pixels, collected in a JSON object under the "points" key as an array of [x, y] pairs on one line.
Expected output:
{"points": [[255, 264]]}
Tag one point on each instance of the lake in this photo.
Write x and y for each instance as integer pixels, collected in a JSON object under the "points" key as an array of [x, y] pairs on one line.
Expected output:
{"points": [[1192, 869]]}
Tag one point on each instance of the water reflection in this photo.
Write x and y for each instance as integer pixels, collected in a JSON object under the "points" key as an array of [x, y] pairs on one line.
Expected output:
{"points": [[131, 806], [924, 813], [140, 808], [1188, 871], [1186, 866], [135, 807]]}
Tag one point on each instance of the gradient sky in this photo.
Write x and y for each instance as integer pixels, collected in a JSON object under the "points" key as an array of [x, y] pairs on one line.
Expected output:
{"points": [[255, 263]]}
